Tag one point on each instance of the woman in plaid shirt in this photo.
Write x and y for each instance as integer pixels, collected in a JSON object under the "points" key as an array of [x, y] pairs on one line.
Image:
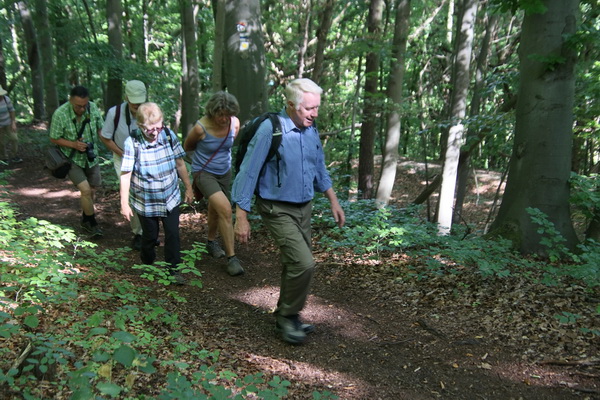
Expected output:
{"points": [[152, 162]]}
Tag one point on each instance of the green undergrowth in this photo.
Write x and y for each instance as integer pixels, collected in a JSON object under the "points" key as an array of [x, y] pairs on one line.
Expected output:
{"points": [[378, 233], [409, 249], [70, 330]]}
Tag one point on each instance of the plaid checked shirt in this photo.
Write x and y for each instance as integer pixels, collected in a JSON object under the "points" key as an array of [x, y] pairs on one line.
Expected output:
{"points": [[154, 187], [64, 125]]}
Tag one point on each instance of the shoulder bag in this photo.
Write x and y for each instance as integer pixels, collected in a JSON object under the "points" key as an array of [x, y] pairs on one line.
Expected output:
{"points": [[57, 162]]}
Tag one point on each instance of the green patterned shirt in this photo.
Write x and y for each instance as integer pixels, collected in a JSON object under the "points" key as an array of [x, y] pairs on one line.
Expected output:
{"points": [[64, 125]]}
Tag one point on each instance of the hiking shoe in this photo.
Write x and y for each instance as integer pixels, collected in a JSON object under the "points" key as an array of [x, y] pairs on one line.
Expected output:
{"points": [[136, 242], [234, 267], [290, 329], [214, 249], [306, 328], [87, 226], [97, 232], [94, 230], [16, 160]]}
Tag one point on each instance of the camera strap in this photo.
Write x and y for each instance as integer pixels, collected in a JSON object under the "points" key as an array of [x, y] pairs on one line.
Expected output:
{"points": [[81, 129]]}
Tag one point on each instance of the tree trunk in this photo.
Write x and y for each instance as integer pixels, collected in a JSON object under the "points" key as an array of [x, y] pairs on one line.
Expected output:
{"points": [[245, 71], [304, 22], [322, 32], [460, 80], [190, 107], [394, 93], [539, 169], [34, 61], [347, 168], [2, 69], [46, 50], [114, 87], [464, 164], [217, 81], [367, 131]]}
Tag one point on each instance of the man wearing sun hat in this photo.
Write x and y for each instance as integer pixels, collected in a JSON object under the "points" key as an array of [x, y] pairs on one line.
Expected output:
{"points": [[119, 123], [8, 129]]}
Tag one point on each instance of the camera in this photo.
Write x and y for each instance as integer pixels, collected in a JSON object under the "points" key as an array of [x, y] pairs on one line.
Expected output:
{"points": [[89, 151]]}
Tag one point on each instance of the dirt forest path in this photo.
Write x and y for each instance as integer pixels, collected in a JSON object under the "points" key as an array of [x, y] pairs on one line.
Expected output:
{"points": [[363, 348]]}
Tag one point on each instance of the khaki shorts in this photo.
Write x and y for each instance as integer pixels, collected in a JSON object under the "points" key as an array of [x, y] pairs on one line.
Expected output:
{"points": [[210, 184], [90, 174], [8, 136]]}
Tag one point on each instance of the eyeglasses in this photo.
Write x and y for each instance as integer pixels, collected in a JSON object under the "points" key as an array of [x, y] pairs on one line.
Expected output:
{"points": [[151, 130]]}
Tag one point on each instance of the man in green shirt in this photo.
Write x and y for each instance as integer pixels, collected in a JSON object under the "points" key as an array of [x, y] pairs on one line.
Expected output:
{"points": [[75, 127]]}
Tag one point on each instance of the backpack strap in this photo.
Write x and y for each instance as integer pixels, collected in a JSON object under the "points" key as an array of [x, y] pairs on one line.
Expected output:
{"points": [[169, 137], [116, 120], [275, 143]]}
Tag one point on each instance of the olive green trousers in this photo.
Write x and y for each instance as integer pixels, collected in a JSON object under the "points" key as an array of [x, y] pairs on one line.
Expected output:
{"points": [[289, 225]]}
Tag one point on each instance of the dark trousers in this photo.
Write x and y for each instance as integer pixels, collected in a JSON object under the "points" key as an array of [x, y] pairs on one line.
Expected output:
{"points": [[150, 229]]}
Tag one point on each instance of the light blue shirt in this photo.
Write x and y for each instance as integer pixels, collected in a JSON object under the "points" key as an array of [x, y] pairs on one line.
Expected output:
{"points": [[301, 169], [212, 145]]}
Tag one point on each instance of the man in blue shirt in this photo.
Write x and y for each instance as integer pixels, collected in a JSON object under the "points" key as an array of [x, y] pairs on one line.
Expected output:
{"points": [[284, 191]]}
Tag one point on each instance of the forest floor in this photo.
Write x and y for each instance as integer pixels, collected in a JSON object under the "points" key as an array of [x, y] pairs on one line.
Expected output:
{"points": [[378, 336]]}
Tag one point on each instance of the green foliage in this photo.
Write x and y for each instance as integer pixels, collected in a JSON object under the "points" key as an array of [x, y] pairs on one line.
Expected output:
{"points": [[51, 286], [529, 6], [370, 230], [583, 266], [160, 271], [551, 61], [585, 193], [376, 233], [568, 318], [551, 239]]}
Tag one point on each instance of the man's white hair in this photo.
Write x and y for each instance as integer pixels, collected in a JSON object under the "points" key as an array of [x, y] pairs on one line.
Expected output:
{"points": [[294, 91]]}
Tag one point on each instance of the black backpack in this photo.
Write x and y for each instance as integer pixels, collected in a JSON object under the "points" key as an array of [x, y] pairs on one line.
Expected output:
{"points": [[248, 131]]}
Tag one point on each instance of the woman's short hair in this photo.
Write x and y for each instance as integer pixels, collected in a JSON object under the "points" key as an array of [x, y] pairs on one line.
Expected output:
{"points": [[221, 103], [148, 114], [294, 91]]}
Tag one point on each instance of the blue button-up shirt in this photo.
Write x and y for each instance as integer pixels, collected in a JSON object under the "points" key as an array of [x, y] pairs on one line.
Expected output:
{"points": [[301, 168]]}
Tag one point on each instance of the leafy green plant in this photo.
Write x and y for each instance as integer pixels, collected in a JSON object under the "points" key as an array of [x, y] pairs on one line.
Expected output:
{"points": [[585, 193], [47, 289], [551, 239], [371, 230]]}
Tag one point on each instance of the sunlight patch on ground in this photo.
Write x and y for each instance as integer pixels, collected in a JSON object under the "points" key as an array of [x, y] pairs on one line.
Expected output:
{"points": [[323, 313], [39, 192], [294, 370]]}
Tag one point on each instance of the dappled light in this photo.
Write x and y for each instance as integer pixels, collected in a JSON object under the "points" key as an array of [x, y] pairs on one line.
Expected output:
{"points": [[50, 194], [458, 140], [321, 312], [297, 370], [400, 315]]}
